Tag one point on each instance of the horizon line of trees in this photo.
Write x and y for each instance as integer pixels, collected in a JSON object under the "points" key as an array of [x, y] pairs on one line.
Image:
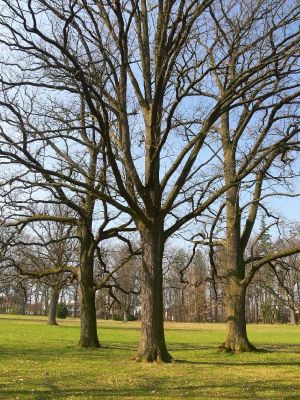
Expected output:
{"points": [[190, 294]]}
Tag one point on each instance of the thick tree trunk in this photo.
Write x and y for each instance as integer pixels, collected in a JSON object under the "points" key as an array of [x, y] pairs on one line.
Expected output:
{"points": [[88, 321], [293, 316], [237, 339], [152, 343], [53, 306]]}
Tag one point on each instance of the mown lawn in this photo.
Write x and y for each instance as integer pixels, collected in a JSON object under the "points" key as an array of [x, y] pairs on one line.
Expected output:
{"points": [[41, 362]]}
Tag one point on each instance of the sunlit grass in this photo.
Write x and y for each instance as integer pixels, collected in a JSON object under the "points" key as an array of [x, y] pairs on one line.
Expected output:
{"points": [[40, 362]]}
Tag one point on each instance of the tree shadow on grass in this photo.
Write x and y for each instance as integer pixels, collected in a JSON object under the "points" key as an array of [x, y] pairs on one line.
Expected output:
{"points": [[240, 363], [165, 388], [46, 354], [189, 346], [118, 328], [294, 348], [119, 346], [55, 352]]}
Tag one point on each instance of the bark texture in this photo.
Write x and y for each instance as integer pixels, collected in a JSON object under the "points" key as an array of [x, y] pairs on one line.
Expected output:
{"points": [[152, 345], [237, 339], [293, 316], [53, 306], [88, 326]]}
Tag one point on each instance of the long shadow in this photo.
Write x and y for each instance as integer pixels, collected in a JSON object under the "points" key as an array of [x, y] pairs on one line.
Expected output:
{"points": [[295, 348], [118, 328], [53, 353], [160, 388], [241, 363], [189, 346], [72, 349], [118, 346]]}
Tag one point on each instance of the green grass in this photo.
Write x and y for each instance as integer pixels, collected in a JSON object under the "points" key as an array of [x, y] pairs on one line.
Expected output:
{"points": [[41, 362]]}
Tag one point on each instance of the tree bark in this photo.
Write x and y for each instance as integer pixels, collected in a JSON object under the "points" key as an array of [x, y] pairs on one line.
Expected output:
{"points": [[152, 345], [237, 339], [293, 317], [75, 309], [125, 316], [53, 306], [88, 321]]}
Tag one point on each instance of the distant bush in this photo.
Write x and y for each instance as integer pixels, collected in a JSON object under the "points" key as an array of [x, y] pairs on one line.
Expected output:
{"points": [[15, 310], [117, 317], [131, 317], [62, 311]]}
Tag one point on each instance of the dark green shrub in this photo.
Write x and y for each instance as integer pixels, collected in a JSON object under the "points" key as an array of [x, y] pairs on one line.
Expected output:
{"points": [[131, 317], [62, 311], [117, 317]]}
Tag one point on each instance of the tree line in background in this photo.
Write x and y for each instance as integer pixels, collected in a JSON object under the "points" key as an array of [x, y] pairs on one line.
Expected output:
{"points": [[144, 122], [191, 294]]}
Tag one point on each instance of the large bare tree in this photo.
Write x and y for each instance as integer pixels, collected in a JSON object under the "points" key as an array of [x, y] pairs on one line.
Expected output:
{"points": [[56, 161], [128, 64], [145, 73], [258, 135]]}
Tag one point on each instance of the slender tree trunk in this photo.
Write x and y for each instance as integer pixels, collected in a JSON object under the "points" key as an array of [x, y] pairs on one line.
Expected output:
{"points": [[75, 300], [23, 302], [237, 339], [125, 316], [47, 301], [22, 307], [53, 306], [152, 343], [88, 322]]}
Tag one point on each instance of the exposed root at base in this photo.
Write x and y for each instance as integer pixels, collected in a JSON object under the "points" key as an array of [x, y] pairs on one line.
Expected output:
{"points": [[148, 358], [241, 348], [89, 346]]}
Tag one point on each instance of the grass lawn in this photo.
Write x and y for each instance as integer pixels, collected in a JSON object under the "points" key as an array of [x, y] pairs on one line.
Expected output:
{"points": [[41, 362]]}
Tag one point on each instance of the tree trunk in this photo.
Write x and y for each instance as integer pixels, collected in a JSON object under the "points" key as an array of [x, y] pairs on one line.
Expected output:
{"points": [[88, 321], [125, 316], [75, 309], [293, 316], [47, 301], [237, 339], [23, 302], [152, 345], [53, 307]]}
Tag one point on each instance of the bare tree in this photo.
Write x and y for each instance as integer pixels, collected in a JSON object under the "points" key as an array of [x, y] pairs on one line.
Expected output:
{"points": [[125, 282], [146, 75], [47, 253], [60, 251], [286, 273], [62, 165], [72, 55], [255, 62], [186, 285]]}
